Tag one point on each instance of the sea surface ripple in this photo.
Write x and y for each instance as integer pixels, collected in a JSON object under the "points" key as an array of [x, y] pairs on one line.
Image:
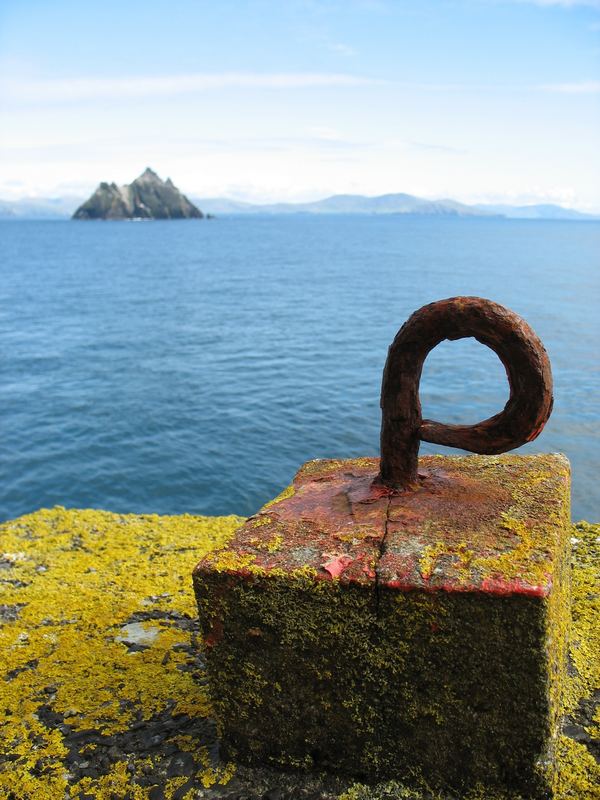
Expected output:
{"points": [[176, 367]]}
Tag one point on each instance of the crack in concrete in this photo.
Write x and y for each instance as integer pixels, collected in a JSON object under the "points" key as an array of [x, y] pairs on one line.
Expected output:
{"points": [[382, 551]]}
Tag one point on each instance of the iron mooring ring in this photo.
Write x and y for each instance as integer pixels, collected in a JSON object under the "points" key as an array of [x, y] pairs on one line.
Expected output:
{"points": [[516, 345]]}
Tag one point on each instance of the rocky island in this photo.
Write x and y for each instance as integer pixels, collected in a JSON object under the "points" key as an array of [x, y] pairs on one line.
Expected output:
{"points": [[148, 197]]}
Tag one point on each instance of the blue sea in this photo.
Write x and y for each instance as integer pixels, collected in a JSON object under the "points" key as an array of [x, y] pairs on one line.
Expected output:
{"points": [[189, 366]]}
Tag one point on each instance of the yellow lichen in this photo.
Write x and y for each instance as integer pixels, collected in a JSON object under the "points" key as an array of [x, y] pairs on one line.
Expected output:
{"points": [[80, 578], [74, 582], [229, 560], [275, 544], [173, 784], [115, 785], [429, 557], [272, 546], [211, 774], [518, 562], [289, 491], [578, 776], [260, 520], [585, 633]]}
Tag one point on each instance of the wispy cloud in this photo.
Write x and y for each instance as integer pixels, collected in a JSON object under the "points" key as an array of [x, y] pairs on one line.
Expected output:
{"points": [[580, 87], [316, 34], [316, 140], [328, 135], [342, 49], [442, 148], [89, 89], [77, 89], [564, 3]]}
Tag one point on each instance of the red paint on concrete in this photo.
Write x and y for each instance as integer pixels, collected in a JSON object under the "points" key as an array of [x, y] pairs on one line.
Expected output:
{"points": [[341, 522], [500, 587], [337, 565]]}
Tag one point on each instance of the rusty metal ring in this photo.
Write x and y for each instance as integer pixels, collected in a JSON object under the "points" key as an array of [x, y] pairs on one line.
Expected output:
{"points": [[517, 346]]}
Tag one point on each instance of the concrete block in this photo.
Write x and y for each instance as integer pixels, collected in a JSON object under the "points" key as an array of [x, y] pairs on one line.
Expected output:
{"points": [[389, 635]]}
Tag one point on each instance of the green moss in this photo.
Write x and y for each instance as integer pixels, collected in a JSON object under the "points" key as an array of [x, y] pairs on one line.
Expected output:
{"points": [[577, 776], [263, 621], [364, 666]]}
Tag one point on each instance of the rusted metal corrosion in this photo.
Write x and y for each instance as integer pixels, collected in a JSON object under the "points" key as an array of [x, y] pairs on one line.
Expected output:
{"points": [[517, 346]]}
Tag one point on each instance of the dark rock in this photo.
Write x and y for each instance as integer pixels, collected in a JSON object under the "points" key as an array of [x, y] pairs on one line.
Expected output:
{"points": [[14, 672], [182, 763], [9, 613], [90, 772], [151, 738], [148, 197], [136, 647], [575, 732]]}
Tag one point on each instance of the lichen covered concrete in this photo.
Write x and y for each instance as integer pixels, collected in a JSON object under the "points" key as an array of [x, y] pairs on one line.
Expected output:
{"points": [[425, 629], [103, 692], [102, 689]]}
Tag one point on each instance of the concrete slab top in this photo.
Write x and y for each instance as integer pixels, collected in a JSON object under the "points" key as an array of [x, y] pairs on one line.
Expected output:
{"points": [[493, 524]]}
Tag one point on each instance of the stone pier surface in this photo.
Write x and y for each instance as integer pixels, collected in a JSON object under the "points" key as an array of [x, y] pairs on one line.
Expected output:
{"points": [[103, 692], [383, 635]]}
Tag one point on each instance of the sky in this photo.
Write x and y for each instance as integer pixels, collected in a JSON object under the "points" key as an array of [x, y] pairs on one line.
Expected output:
{"points": [[293, 100]]}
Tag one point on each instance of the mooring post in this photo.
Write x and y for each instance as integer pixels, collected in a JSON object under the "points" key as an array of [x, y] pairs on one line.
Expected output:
{"points": [[384, 621], [516, 345]]}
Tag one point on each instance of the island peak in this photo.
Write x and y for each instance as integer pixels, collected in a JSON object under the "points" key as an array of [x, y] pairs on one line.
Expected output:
{"points": [[147, 197], [149, 174]]}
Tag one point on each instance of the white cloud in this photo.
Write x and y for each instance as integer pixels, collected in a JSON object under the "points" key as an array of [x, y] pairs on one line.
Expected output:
{"points": [[76, 89], [580, 87]]}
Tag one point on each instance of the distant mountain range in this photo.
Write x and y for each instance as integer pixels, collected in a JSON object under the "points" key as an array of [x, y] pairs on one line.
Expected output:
{"points": [[391, 204], [40, 207], [62, 207]]}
